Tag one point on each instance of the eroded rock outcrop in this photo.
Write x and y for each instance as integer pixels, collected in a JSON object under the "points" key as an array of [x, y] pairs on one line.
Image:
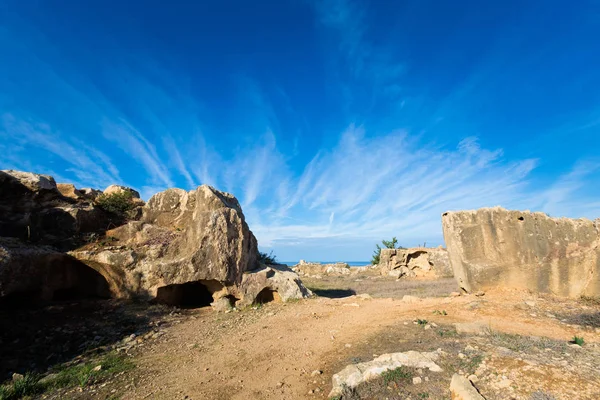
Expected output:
{"points": [[415, 262], [318, 270], [494, 247], [34, 210], [198, 237], [183, 248]]}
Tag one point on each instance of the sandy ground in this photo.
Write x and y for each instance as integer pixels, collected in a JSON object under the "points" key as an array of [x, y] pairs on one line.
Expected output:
{"points": [[273, 351], [270, 353]]}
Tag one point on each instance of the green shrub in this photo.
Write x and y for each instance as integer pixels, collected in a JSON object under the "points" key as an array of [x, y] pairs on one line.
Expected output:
{"points": [[66, 377], [118, 203], [388, 244], [578, 340], [28, 386], [268, 259]]}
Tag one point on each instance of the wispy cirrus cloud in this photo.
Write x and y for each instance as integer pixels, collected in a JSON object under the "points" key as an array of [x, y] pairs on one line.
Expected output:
{"points": [[327, 181], [86, 164]]}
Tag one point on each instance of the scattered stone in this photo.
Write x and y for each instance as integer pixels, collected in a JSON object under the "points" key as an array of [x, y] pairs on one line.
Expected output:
{"points": [[416, 380], [97, 368], [16, 377], [410, 299], [477, 327], [480, 293], [415, 262], [222, 304], [355, 374], [462, 389], [316, 372]]}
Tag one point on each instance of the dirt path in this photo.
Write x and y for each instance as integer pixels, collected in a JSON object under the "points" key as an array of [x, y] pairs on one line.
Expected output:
{"points": [[271, 353]]}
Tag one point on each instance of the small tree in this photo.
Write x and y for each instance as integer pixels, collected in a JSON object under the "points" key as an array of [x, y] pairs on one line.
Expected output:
{"points": [[118, 203], [388, 244], [268, 259]]}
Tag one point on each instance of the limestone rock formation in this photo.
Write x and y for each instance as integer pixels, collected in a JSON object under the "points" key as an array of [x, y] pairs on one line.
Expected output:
{"points": [[355, 374], [415, 262], [191, 238], [118, 189], [318, 270], [494, 247], [69, 190], [273, 282], [314, 269], [33, 209], [181, 248]]}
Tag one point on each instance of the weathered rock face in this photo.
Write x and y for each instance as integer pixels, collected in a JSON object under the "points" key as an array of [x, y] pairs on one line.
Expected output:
{"points": [[112, 189], [185, 237], [415, 262], [494, 247], [33, 209], [69, 190], [274, 282], [186, 248]]}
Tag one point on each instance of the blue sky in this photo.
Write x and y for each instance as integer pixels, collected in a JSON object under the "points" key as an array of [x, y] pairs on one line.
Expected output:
{"points": [[335, 123]]}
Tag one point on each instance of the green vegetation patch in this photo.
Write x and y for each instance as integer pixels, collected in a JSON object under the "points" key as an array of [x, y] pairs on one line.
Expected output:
{"points": [[396, 375], [63, 376], [118, 203]]}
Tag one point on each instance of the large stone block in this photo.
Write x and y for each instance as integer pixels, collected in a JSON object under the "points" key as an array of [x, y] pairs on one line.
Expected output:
{"points": [[494, 247]]}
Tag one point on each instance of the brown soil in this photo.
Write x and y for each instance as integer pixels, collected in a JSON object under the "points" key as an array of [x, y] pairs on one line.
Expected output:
{"points": [[271, 352]]}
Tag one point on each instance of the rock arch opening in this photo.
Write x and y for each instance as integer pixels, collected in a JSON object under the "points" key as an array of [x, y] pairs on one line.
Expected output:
{"points": [[76, 281], [194, 294], [267, 295], [58, 279]]}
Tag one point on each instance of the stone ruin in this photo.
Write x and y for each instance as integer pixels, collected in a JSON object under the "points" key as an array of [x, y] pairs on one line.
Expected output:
{"points": [[318, 270], [495, 247], [415, 262], [184, 248]]}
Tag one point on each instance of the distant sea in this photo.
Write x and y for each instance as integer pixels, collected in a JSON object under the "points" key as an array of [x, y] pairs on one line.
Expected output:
{"points": [[350, 263]]}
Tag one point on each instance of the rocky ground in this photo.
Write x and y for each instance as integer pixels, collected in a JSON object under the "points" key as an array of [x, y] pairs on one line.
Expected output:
{"points": [[511, 344]]}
